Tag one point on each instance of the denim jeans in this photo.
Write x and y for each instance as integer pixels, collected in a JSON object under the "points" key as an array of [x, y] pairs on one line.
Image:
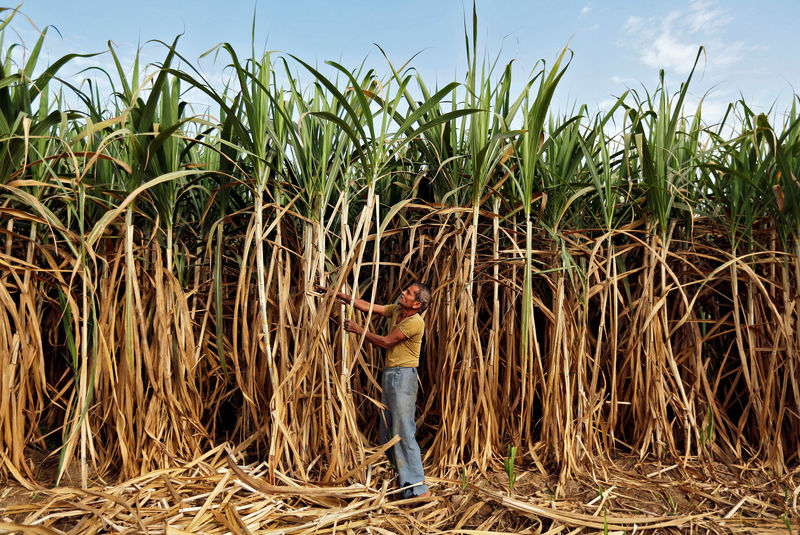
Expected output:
{"points": [[400, 396]]}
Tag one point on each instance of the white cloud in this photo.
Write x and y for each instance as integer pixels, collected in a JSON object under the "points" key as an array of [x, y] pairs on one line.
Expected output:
{"points": [[668, 52], [633, 23], [671, 42], [586, 9], [702, 16]]}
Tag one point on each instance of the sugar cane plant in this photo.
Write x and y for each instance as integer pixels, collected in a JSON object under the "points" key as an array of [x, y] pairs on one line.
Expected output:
{"points": [[619, 283]]}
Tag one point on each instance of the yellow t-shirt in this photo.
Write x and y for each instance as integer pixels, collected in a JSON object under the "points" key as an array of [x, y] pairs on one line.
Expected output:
{"points": [[405, 353]]}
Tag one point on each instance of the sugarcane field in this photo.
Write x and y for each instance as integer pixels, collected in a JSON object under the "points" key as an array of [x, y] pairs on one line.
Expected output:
{"points": [[349, 298]]}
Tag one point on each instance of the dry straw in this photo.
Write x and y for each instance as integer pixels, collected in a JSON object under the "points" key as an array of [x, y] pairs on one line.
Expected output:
{"points": [[215, 494]]}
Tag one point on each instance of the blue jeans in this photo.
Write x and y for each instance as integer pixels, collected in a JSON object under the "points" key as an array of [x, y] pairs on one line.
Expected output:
{"points": [[400, 396]]}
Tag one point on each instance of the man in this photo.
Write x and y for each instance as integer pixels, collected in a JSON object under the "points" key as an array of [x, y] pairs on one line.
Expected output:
{"points": [[402, 344]]}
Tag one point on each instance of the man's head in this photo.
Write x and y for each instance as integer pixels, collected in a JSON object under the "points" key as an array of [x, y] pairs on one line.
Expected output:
{"points": [[416, 296]]}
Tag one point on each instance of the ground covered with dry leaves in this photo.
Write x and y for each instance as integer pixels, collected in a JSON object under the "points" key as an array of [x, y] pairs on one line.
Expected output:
{"points": [[218, 494]]}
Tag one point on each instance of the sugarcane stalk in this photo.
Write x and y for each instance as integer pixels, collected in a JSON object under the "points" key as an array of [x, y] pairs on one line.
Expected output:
{"points": [[262, 300]]}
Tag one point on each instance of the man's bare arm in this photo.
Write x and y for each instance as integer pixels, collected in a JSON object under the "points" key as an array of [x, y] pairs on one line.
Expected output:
{"points": [[394, 337], [358, 303]]}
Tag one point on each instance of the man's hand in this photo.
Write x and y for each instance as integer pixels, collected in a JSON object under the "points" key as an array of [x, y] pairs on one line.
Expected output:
{"points": [[345, 299], [320, 289], [353, 327], [385, 342], [358, 303]]}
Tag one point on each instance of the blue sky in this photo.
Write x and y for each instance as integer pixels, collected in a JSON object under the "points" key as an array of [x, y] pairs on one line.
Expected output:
{"points": [[752, 47]]}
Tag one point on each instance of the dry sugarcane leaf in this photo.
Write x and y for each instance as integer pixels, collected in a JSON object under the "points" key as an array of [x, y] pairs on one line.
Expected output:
{"points": [[10, 527]]}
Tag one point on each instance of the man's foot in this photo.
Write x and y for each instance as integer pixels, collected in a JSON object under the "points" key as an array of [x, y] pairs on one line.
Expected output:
{"points": [[417, 497]]}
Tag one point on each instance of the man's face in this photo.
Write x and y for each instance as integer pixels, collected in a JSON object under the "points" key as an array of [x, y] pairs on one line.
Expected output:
{"points": [[408, 297]]}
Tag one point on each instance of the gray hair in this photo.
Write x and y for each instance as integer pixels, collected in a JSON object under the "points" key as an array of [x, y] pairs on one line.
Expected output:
{"points": [[423, 296]]}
